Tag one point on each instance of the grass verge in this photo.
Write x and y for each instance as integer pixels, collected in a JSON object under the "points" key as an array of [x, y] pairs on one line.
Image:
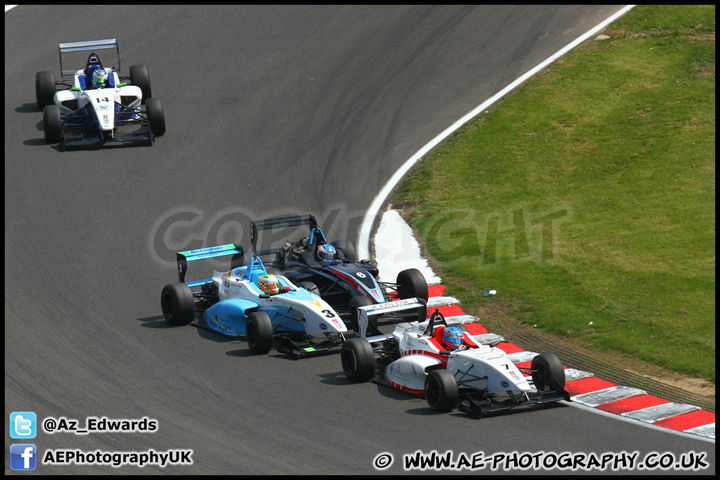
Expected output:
{"points": [[586, 198]]}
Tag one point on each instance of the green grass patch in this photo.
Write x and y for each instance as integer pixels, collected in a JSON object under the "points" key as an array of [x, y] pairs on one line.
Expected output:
{"points": [[588, 195]]}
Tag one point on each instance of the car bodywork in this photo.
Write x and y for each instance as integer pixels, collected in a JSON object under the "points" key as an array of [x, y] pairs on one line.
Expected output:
{"points": [[478, 378], [340, 282], [227, 301], [75, 114]]}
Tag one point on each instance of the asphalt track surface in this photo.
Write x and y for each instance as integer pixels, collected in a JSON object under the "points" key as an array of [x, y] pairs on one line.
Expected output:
{"points": [[270, 111]]}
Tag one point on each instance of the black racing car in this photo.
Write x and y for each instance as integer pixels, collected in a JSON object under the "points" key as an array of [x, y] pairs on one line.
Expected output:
{"points": [[339, 279]]}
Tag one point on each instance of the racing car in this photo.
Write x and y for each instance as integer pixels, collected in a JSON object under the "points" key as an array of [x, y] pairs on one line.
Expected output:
{"points": [[97, 105], [341, 281], [477, 377], [232, 303]]}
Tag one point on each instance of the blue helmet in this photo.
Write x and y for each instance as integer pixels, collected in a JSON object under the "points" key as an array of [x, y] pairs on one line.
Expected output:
{"points": [[100, 78], [452, 337], [326, 252]]}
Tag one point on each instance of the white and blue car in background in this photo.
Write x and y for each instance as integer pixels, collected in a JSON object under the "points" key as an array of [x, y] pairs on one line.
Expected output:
{"points": [[75, 114]]}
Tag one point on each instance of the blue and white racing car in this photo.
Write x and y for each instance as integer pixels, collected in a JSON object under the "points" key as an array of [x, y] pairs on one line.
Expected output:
{"points": [[97, 105], [233, 303]]}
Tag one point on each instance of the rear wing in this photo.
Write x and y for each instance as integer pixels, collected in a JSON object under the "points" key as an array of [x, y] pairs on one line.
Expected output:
{"points": [[89, 46], [410, 306], [292, 221], [205, 253]]}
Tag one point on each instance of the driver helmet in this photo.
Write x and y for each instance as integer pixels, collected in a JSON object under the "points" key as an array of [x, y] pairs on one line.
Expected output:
{"points": [[326, 253], [100, 78], [269, 284], [452, 337]]}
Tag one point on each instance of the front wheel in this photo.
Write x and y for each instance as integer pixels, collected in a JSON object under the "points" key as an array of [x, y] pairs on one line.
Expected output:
{"points": [[156, 116], [259, 332], [547, 370], [358, 360], [177, 303], [52, 123], [412, 283], [140, 77], [441, 391]]}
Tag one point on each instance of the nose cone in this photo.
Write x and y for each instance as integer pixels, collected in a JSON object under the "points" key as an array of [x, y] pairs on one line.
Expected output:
{"points": [[319, 315]]}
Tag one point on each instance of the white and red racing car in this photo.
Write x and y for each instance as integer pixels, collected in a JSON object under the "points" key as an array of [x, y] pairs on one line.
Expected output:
{"points": [[477, 377]]}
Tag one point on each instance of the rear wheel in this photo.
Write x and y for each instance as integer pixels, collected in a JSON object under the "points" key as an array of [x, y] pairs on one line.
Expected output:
{"points": [[140, 77], [177, 303], [44, 89], [548, 371], [441, 390], [156, 116], [358, 360], [412, 283], [259, 332], [52, 123], [310, 287]]}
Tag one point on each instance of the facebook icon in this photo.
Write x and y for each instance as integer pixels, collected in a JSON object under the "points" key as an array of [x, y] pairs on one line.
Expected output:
{"points": [[23, 456]]}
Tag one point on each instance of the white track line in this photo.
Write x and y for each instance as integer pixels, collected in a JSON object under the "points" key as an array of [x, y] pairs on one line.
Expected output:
{"points": [[363, 246]]}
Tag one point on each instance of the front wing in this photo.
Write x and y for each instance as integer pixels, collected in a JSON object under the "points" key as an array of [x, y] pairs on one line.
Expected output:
{"points": [[476, 404], [302, 346], [78, 133]]}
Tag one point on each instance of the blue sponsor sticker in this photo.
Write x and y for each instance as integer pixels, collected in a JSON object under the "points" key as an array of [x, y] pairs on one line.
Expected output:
{"points": [[206, 250]]}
